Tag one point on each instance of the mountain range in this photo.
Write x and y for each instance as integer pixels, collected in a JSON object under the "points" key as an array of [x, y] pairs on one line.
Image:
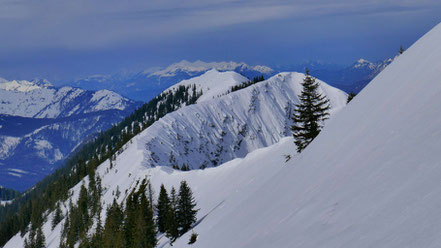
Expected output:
{"points": [[146, 84], [40, 125]]}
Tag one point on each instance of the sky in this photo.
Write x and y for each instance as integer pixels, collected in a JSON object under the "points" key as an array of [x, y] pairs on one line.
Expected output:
{"points": [[65, 40]]}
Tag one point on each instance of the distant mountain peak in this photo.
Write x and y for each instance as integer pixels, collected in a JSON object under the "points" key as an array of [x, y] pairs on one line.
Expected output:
{"points": [[24, 85], [201, 66], [363, 63]]}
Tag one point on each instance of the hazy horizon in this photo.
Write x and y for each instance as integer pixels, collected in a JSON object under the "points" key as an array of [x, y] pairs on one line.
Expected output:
{"points": [[61, 40]]}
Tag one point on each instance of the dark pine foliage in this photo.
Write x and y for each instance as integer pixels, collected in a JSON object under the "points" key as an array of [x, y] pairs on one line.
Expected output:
{"points": [[163, 208], [8, 194], [186, 209], [309, 114], [248, 83], [351, 96], [35, 202], [172, 227]]}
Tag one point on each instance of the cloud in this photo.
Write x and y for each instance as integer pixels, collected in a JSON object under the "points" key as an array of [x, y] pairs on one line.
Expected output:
{"points": [[92, 24]]}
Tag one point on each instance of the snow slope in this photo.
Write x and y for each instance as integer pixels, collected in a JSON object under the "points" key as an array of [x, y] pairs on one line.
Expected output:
{"points": [[213, 83], [370, 179], [261, 107], [215, 131]]}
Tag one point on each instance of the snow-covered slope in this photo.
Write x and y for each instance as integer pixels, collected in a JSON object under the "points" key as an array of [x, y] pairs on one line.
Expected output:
{"points": [[370, 179], [261, 108], [218, 130], [38, 100], [40, 125], [213, 83]]}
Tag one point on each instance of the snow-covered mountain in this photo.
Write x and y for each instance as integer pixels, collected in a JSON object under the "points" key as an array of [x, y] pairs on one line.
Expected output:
{"points": [[220, 127], [40, 125], [352, 78], [215, 131], [146, 84], [37, 100], [370, 179]]}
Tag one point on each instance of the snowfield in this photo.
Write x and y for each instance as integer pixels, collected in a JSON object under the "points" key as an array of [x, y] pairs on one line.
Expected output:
{"points": [[370, 179], [217, 130]]}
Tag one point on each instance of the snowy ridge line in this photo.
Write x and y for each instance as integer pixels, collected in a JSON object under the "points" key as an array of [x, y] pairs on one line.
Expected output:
{"points": [[256, 100], [42, 100], [215, 131]]}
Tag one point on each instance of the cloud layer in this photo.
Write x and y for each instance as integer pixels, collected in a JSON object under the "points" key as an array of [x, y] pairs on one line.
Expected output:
{"points": [[84, 24]]}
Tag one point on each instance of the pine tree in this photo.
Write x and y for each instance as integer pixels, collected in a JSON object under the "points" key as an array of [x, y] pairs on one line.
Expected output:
{"points": [[145, 229], [36, 239], [172, 228], [58, 216], [40, 240], [163, 209], [113, 230], [186, 212], [193, 238], [350, 96], [401, 50], [310, 114]]}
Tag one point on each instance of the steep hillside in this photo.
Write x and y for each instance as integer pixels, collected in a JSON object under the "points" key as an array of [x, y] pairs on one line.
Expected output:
{"points": [[216, 131], [250, 106], [370, 179]]}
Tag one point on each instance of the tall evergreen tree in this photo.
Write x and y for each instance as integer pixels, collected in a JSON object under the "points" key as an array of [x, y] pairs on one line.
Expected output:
{"points": [[163, 208], [113, 230], [309, 114], [186, 212], [145, 230], [172, 227], [58, 216]]}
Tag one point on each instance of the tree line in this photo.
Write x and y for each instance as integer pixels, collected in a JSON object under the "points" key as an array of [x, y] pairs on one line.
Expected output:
{"points": [[137, 223]]}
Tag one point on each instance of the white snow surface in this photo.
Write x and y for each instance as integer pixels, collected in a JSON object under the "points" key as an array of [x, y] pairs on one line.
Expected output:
{"points": [[261, 107], [217, 130], [370, 179], [7, 145], [212, 83]]}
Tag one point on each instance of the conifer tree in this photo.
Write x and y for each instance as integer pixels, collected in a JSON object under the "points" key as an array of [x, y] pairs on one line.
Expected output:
{"points": [[309, 114], [113, 231], [58, 216], [401, 50], [145, 230], [172, 228], [350, 96], [186, 212], [36, 239], [163, 208]]}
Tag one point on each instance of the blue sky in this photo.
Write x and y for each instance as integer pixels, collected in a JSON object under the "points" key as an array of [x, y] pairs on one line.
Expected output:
{"points": [[62, 40]]}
